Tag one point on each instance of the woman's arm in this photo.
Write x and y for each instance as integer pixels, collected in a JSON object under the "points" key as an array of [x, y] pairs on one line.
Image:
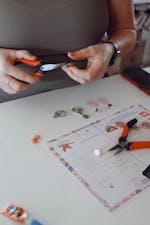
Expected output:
{"points": [[121, 30], [121, 24]]}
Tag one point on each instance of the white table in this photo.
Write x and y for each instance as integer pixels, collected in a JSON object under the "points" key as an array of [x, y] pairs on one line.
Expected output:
{"points": [[30, 177]]}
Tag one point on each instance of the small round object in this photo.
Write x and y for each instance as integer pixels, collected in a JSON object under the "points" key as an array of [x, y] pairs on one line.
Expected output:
{"points": [[97, 152]]}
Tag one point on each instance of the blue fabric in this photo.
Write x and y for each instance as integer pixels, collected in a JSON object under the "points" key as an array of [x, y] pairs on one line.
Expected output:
{"points": [[35, 222]]}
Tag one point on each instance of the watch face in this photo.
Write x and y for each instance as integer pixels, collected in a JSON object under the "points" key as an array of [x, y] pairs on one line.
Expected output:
{"points": [[118, 52], [117, 48]]}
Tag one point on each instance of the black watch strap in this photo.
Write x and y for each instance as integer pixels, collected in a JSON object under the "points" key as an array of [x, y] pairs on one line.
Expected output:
{"points": [[116, 52]]}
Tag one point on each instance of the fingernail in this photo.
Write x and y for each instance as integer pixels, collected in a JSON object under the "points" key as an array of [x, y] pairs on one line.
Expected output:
{"points": [[34, 57], [69, 65]]}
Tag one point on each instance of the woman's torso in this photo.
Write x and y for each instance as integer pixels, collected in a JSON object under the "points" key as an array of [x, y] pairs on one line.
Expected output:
{"points": [[52, 26]]}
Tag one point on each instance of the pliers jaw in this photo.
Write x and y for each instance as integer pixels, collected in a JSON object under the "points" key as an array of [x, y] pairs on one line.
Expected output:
{"points": [[122, 141], [114, 147], [121, 146], [44, 68], [41, 67]]}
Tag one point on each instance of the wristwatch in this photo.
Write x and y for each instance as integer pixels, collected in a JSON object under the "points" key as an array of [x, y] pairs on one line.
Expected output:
{"points": [[116, 52]]}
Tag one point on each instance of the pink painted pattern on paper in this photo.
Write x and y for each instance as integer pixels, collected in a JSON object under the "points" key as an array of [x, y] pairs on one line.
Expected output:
{"points": [[97, 102]]}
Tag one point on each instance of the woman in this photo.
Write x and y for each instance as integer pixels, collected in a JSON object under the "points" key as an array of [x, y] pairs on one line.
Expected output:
{"points": [[50, 29]]}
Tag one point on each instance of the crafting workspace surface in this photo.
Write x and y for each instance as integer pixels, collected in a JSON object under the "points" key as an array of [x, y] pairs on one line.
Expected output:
{"points": [[32, 178]]}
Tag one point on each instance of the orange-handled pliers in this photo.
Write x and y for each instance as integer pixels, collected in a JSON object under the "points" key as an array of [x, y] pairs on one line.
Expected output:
{"points": [[41, 67], [130, 146]]}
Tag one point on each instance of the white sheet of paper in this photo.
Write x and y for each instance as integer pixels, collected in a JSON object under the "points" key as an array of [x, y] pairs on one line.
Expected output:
{"points": [[113, 180]]}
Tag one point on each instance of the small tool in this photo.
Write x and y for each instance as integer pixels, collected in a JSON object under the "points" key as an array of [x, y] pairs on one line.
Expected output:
{"points": [[123, 142], [42, 67]]}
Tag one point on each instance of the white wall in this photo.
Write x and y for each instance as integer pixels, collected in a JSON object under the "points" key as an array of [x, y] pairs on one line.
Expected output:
{"points": [[141, 1]]}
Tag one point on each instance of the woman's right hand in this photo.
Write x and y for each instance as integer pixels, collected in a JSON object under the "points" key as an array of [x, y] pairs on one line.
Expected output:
{"points": [[12, 78]]}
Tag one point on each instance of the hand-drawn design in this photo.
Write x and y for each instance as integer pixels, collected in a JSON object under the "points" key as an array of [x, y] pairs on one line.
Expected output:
{"points": [[120, 124], [66, 146], [144, 114], [145, 125], [109, 129]]}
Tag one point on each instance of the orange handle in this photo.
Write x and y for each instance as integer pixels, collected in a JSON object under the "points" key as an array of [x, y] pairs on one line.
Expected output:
{"points": [[37, 74], [124, 132], [126, 128], [139, 145], [29, 62]]}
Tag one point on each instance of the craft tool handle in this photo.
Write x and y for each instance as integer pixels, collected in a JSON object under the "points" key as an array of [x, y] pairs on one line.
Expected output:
{"points": [[138, 145], [37, 74], [32, 63], [125, 131], [131, 123], [29, 62]]}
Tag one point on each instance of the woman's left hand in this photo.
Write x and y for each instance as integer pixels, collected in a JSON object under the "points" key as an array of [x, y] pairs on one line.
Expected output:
{"points": [[98, 57]]}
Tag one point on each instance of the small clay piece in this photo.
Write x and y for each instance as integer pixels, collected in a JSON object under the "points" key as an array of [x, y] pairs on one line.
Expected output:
{"points": [[59, 114], [36, 139], [78, 110]]}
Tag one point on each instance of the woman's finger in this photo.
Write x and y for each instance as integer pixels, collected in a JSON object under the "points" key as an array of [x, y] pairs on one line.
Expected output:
{"points": [[21, 75], [79, 72], [13, 83], [24, 54], [93, 70], [84, 76], [73, 76], [7, 89], [79, 55]]}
